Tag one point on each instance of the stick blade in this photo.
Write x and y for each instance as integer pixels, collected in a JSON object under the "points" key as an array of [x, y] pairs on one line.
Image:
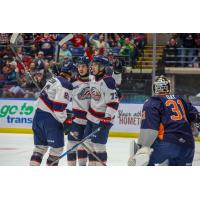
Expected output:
{"points": [[13, 38], [65, 39]]}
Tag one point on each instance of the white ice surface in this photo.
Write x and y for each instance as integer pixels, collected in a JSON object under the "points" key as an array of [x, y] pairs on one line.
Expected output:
{"points": [[16, 150]]}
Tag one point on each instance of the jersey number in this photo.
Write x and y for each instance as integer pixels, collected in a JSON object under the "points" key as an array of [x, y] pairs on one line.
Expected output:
{"points": [[113, 95], [176, 109]]}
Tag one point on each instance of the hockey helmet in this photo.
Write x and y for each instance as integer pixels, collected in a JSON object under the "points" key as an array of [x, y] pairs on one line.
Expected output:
{"points": [[161, 85], [68, 67], [83, 60], [101, 60]]}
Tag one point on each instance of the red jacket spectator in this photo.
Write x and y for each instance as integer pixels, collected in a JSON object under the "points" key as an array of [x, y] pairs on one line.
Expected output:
{"points": [[90, 52], [78, 40]]}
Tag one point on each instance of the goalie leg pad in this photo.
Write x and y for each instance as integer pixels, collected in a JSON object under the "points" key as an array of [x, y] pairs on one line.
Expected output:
{"points": [[38, 154], [54, 154]]}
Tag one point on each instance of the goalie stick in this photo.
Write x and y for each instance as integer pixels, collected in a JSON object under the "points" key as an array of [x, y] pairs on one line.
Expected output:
{"points": [[76, 145]]}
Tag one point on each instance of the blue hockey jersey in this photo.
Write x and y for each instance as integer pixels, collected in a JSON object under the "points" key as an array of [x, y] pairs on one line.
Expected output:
{"points": [[170, 116]]}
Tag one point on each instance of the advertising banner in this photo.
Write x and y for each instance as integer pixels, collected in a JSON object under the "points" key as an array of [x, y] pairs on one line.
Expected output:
{"points": [[18, 115]]}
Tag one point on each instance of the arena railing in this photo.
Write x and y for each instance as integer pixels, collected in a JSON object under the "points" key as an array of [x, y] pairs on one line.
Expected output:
{"points": [[181, 57]]}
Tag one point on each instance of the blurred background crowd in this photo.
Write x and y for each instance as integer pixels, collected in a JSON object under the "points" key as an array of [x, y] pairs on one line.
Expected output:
{"points": [[39, 53]]}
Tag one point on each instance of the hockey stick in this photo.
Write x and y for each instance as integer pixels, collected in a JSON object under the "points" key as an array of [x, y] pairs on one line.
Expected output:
{"points": [[76, 145], [13, 41], [89, 150], [63, 41]]}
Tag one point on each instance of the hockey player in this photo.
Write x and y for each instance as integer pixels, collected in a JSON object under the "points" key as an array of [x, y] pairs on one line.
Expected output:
{"points": [[80, 106], [166, 136], [50, 115], [103, 106]]}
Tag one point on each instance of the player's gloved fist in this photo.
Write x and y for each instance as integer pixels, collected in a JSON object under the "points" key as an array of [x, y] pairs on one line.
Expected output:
{"points": [[141, 158], [67, 123], [104, 122]]}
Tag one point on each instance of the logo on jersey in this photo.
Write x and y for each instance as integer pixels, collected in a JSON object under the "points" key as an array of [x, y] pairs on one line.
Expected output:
{"points": [[84, 94], [95, 94]]}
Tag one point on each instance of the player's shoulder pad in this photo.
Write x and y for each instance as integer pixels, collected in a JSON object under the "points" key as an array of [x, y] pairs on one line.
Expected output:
{"points": [[110, 82], [65, 83]]}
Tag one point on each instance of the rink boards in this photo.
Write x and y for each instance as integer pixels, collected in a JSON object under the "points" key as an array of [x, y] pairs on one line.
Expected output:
{"points": [[16, 116]]}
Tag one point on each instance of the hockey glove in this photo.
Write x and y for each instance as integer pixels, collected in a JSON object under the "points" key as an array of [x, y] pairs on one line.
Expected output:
{"points": [[105, 122], [141, 158]]}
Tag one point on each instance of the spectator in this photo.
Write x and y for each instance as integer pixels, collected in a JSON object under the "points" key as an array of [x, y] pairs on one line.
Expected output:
{"points": [[33, 51], [65, 52], [32, 68], [10, 73], [170, 53], [100, 44], [6, 53], [111, 41], [196, 60], [4, 40], [78, 40], [28, 41], [39, 61], [25, 59], [46, 44], [127, 48], [118, 40], [188, 42], [138, 39]]}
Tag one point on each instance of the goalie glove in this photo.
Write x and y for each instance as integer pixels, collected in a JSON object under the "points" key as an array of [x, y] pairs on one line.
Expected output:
{"points": [[141, 158]]}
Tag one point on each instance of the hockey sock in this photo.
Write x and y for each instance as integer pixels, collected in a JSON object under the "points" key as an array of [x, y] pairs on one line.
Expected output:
{"points": [[36, 159], [103, 157], [71, 159], [51, 159], [82, 157], [92, 160]]}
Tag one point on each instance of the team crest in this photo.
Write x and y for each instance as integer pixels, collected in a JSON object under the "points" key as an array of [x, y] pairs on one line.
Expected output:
{"points": [[84, 94], [95, 94]]}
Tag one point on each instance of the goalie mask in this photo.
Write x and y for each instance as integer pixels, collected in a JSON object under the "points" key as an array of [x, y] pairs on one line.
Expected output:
{"points": [[161, 86]]}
